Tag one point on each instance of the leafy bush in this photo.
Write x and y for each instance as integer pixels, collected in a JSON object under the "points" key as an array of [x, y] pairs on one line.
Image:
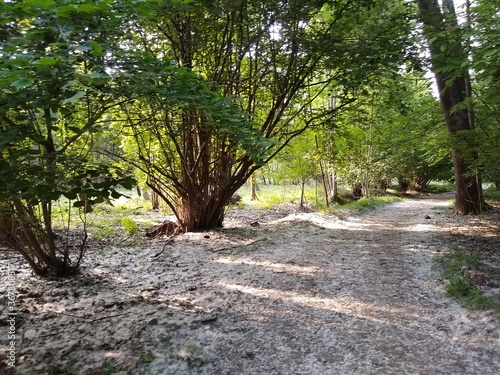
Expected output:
{"points": [[50, 114], [130, 225]]}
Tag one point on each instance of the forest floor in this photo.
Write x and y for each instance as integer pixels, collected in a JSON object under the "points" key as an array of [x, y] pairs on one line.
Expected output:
{"points": [[275, 292]]}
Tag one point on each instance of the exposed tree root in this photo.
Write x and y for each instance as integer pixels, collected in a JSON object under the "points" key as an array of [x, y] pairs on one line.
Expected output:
{"points": [[167, 228]]}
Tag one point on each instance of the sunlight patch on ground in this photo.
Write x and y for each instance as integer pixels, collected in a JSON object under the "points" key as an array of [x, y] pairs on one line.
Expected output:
{"points": [[326, 222], [359, 309], [273, 266], [422, 228]]}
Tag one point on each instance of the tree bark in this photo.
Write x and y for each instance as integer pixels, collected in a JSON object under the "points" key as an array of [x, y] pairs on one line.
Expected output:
{"points": [[441, 31], [302, 188], [253, 183], [335, 192]]}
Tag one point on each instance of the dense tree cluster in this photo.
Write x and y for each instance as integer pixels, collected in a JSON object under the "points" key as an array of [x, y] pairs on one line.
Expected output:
{"points": [[191, 98]]}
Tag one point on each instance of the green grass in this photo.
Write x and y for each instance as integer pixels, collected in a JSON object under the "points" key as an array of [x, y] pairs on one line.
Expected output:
{"points": [[439, 187], [108, 368], [459, 286], [370, 203], [269, 196], [452, 264], [492, 195], [361, 205], [124, 217], [146, 358]]}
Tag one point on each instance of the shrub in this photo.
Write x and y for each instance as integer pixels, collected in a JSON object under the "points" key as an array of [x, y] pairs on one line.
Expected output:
{"points": [[130, 226]]}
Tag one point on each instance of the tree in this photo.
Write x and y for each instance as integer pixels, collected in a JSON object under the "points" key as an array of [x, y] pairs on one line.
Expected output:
{"points": [[482, 29], [276, 58], [414, 147], [298, 162], [449, 64], [393, 130], [54, 94], [189, 141]]}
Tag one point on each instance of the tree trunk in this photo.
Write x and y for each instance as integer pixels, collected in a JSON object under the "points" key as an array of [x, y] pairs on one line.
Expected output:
{"points": [[302, 188], [201, 213], [335, 190], [253, 183], [404, 184], [155, 202], [418, 184], [357, 190], [323, 176], [440, 29], [7, 224]]}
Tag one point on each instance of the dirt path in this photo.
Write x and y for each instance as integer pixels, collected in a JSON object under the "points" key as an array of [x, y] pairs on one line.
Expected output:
{"points": [[304, 294]]}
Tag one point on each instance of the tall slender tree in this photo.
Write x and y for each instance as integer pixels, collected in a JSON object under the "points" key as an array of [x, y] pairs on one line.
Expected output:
{"points": [[449, 64]]}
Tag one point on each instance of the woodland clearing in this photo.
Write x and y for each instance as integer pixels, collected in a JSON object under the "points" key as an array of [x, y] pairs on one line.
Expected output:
{"points": [[274, 292]]}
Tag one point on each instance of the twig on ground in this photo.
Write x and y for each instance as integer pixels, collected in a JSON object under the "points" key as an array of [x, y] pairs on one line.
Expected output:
{"points": [[237, 246], [319, 328], [106, 317], [89, 319], [169, 241]]}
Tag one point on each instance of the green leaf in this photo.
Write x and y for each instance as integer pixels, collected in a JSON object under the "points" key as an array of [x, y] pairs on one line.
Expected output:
{"points": [[86, 8], [95, 129], [74, 129], [94, 78], [115, 194], [69, 83], [37, 138], [93, 172], [104, 7], [47, 61], [91, 45], [70, 195], [78, 95], [21, 84], [45, 4], [96, 48], [84, 47]]}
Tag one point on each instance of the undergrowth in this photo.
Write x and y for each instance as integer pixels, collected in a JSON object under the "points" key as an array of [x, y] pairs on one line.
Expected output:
{"points": [[459, 269], [439, 187], [122, 219], [269, 196], [370, 203], [492, 195]]}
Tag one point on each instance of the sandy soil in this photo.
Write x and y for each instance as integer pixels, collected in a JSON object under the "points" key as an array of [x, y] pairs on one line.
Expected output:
{"points": [[304, 293]]}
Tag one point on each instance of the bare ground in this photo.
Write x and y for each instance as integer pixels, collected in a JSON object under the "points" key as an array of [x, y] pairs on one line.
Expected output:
{"points": [[304, 293]]}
